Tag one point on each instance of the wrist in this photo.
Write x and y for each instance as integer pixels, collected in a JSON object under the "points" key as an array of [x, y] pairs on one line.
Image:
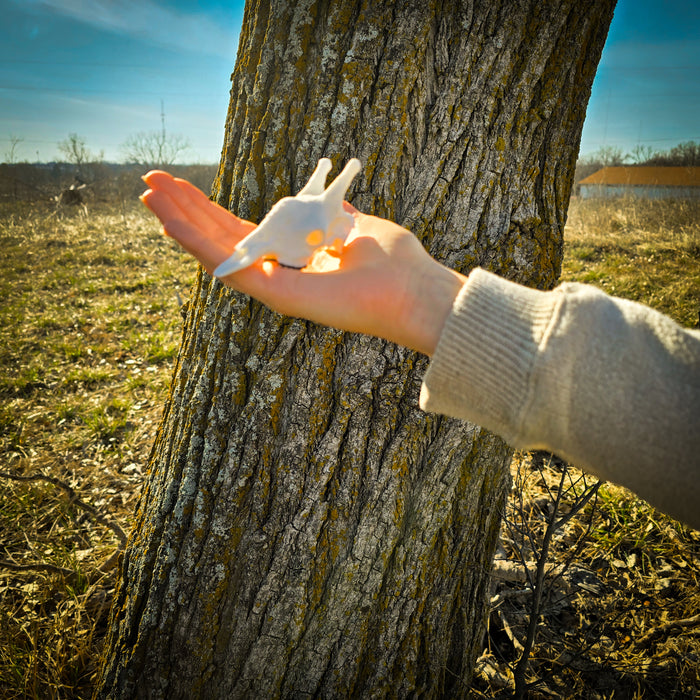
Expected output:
{"points": [[433, 294]]}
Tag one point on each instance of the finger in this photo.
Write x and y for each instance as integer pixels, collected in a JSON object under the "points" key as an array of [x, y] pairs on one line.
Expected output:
{"points": [[158, 179], [208, 251], [162, 205], [177, 227], [223, 217], [197, 208], [154, 173], [164, 182]]}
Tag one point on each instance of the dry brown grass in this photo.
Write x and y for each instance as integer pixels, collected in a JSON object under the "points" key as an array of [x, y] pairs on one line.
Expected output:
{"points": [[89, 327], [618, 575], [645, 250], [622, 575]]}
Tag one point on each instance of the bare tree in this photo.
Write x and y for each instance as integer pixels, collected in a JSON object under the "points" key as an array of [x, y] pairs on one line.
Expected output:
{"points": [[305, 529], [11, 152], [684, 154], [75, 151], [87, 164], [154, 149], [641, 154], [607, 156]]}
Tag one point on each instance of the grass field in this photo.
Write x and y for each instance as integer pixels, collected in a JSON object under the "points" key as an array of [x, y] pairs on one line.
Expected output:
{"points": [[644, 250], [89, 327], [620, 614]]}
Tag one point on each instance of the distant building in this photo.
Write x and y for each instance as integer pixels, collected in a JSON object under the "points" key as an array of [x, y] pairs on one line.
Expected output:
{"points": [[642, 181]]}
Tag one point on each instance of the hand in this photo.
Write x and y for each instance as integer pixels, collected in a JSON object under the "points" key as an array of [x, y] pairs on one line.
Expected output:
{"points": [[382, 283]]}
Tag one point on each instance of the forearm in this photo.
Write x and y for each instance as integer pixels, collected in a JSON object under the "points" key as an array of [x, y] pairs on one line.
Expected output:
{"points": [[610, 385]]}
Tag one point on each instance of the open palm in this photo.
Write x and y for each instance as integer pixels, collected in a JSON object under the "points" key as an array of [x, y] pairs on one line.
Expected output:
{"points": [[380, 284]]}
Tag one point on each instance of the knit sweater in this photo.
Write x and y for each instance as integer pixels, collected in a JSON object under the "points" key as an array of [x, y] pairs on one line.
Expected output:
{"points": [[609, 385]]}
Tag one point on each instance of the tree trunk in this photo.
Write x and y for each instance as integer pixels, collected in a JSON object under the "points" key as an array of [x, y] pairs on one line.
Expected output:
{"points": [[304, 529]]}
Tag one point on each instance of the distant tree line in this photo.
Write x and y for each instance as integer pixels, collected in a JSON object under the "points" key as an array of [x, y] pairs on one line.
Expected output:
{"points": [[80, 167], [684, 154], [104, 182], [148, 150]]}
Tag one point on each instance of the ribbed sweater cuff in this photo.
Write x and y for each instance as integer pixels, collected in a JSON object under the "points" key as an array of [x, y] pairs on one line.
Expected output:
{"points": [[482, 367]]}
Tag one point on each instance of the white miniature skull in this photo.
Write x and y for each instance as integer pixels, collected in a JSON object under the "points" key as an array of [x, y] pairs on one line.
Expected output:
{"points": [[296, 227]]}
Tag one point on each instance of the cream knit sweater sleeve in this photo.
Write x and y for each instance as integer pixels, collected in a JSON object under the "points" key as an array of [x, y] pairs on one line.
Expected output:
{"points": [[610, 385]]}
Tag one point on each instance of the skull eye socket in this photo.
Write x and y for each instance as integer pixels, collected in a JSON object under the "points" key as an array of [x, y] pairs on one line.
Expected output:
{"points": [[315, 237]]}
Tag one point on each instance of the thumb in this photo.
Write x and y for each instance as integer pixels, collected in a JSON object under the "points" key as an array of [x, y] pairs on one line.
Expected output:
{"points": [[351, 210]]}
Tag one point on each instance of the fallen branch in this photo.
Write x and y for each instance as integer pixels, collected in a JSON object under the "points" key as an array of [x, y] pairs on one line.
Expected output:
{"points": [[50, 568], [519, 572], [73, 496], [666, 628]]}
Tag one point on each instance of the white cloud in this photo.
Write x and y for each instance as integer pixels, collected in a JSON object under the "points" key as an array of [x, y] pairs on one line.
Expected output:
{"points": [[149, 21]]}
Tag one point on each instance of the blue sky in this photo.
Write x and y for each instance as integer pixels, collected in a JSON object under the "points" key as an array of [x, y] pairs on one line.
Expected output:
{"points": [[102, 69]]}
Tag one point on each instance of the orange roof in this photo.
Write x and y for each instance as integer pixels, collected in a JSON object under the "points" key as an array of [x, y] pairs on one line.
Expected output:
{"points": [[645, 175]]}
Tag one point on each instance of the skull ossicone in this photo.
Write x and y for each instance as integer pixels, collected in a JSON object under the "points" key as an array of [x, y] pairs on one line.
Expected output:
{"points": [[297, 226]]}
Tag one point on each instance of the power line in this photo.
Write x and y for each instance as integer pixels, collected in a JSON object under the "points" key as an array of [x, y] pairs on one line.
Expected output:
{"points": [[92, 91], [143, 93], [76, 64], [638, 67]]}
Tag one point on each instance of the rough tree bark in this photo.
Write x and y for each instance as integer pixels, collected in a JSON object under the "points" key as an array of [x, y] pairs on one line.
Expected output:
{"points": [[304, 529]]}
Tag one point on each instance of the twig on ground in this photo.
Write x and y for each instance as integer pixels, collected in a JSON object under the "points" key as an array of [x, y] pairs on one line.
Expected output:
{"points": [[50, 568], [536, 572], [667, 627], [73, 496]]}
